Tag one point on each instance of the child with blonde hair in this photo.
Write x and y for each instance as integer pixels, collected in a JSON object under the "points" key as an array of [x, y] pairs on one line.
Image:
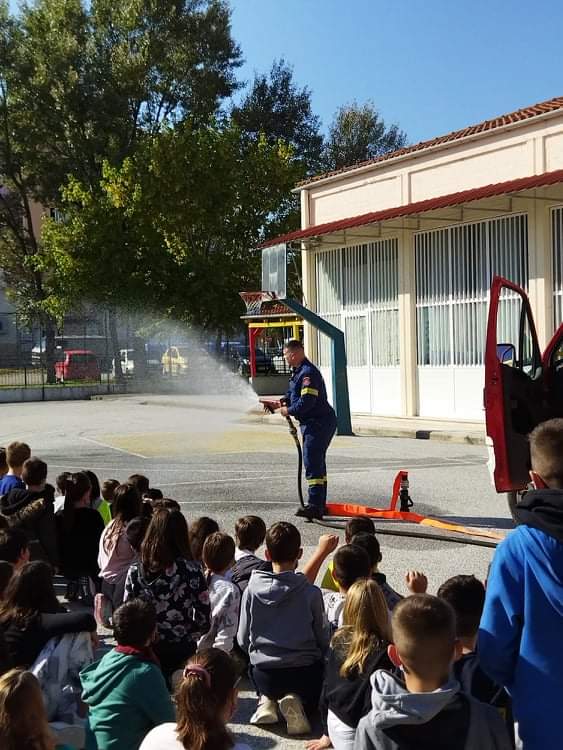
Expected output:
{"points": [[23, 719], [357, 649]]}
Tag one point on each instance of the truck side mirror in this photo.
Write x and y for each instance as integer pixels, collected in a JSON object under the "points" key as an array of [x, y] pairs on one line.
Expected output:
{"points": [[506, 354]]}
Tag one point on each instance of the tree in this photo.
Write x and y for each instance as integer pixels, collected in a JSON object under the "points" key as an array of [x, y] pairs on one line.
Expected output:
{"points": [[359, 133], [278, 109], [82, 84], [172, 228]]}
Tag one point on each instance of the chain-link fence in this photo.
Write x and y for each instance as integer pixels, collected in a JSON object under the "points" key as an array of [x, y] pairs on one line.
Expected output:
{"points": [[110, 356], [29, 357]]}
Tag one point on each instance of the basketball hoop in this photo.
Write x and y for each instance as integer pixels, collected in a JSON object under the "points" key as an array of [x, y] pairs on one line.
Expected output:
{"points": [[254, 300]]}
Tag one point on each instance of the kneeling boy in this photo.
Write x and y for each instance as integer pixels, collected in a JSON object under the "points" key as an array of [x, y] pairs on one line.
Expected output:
{"points": [[428, 709], [284, 631]]}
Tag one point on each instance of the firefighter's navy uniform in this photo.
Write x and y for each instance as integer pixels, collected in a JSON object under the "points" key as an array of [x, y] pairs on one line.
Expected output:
{"points": [[307, 402]]}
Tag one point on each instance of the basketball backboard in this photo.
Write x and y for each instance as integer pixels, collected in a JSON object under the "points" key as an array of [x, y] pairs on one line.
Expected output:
{"points": [[274, 270]]}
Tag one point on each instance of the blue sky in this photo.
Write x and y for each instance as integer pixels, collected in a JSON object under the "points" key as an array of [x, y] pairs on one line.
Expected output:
{"points": [[432, 66]]}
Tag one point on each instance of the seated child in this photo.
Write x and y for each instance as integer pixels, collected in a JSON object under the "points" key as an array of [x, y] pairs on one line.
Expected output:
{"points": [[16, 455], [14, 547], [125, 690], [224, 596], [97, 500], [206, 699], [115, 553], [427, 708], [60, 489], [32, 510], [370, 543], [356, 525], [357, 649], [3, 462], [109, 487], [167, 503], [23, 717], [153, 494], [284, 630], [466, 594], [140, 482], [30, 614], [351, 563], [199, 530], [250, 532], [79, 528]]}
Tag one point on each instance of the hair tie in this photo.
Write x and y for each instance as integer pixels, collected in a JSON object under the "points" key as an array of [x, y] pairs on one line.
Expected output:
{"points": [[199, 671]]}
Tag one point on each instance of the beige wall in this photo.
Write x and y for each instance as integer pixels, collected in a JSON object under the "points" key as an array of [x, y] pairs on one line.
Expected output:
{"points": [[517, 151], [523, 150]]}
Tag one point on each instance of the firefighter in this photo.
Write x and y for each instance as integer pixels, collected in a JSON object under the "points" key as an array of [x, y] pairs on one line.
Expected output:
{"points": [[306, 400]]}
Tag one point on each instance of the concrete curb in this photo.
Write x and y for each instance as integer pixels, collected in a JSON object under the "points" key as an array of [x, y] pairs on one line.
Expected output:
{"points": [[455, 435], [444, 436]]}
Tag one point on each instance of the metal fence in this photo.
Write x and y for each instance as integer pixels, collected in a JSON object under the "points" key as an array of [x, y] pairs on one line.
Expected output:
{"points": [[178, 362], [78, 358], [454, 268], [358, 292]]}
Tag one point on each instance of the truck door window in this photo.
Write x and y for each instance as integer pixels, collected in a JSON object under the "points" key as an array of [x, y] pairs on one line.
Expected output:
{"points": [[516, 345]]}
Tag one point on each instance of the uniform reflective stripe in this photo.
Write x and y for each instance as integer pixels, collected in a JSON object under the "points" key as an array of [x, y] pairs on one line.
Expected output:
{"points": [[310, 391], [313, 482]]}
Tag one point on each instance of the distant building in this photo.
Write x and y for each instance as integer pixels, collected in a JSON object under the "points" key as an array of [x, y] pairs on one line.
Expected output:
{"points": [[8, 329], [399, 253]]}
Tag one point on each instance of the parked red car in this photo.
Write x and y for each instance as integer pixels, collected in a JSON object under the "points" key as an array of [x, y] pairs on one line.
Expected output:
{"points": [[523, 386], [77, 364]]}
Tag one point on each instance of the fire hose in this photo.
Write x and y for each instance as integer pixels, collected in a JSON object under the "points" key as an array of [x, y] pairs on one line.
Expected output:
{"points": [[400, 491]]}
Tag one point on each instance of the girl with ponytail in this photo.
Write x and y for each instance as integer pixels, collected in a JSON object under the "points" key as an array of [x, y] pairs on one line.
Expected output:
{"points": [[116, 554], [206, 699]]}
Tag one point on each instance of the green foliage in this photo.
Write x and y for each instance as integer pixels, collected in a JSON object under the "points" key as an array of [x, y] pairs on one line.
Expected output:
{"points": [[81, 85], [358, 133], [171, 229], [113, 113], [276, 107]]}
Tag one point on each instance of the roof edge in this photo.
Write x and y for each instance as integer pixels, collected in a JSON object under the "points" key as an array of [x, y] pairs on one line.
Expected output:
{"points": [[418, 149], [428, 204]]}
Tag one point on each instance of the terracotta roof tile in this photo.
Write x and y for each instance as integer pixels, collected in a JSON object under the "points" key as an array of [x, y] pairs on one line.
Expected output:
{"points": [[551, 105], [431, 204]]}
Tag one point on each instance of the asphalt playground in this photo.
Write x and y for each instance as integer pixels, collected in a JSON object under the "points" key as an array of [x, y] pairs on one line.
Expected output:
{"points": [[212, 455]]}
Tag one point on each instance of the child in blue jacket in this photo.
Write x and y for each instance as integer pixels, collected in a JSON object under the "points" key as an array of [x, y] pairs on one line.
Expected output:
{"points": [[522, 625]]}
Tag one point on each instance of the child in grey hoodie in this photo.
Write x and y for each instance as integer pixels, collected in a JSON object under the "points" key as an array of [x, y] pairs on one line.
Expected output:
{"points": [[284, 630], [428, 708]]}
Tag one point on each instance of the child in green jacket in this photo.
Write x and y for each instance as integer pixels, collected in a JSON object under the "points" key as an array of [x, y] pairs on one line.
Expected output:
{"points": [[125, 691]]}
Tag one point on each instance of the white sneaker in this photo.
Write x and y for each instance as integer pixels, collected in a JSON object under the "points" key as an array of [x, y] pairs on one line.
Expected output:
{"points": [[293, 712], [266, 712]]}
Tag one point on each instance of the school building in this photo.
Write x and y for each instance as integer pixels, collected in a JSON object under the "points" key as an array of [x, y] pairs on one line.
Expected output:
{"points": [[399, 253]]}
